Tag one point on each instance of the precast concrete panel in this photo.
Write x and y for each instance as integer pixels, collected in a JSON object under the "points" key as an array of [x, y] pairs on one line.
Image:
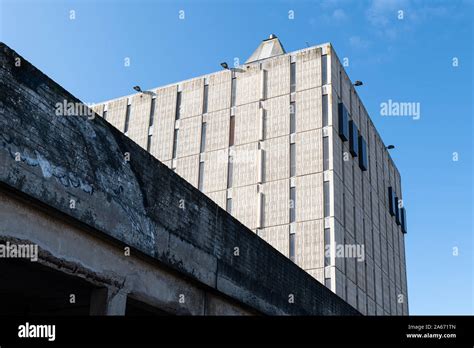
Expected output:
{"points": [[362, 301], [308, 69], [245, 164], [217, 130], [219, 197], [247, 118], [370, 277], [276, 158], [276, 202], [163, 129], [188, 169], [278, 237], [351, 293], [192, 98], [139, 119], [215, 170], [189, 139], [309, 152], [116, 113], [248, 86], [245, 205], [277, 72], [309, 197], [219, 92], [309, 240], [309, 109], [349, 212], [277, 116]]}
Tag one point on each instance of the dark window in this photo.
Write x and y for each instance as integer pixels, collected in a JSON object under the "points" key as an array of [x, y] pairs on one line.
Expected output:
{"points": [[292, 247], [152, 111], [292, 118], [178, 106], [327, 206], [343, 122], [362, 154], [325, 153], [228, 206], [391, 201], [327, 283], [292, 159], [292, 77], [353, 139], [324, 69], [233, 91], [230, 171], [175, 142], [206, 94], [203, 137], [232, 131], [105, 115], [292, 204], [403, 217], [327, 244], [325, 110], [148, 144], [127, 119], [201, 176], [397, 211]]}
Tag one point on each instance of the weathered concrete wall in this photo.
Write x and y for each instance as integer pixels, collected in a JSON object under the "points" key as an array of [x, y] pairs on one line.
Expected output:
{"points": [[79, 167]]}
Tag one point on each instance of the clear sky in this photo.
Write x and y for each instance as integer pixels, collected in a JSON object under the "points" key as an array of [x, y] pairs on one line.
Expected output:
{"points": [[407, 56]]}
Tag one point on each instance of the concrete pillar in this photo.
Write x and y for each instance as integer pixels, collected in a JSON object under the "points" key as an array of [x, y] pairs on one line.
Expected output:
{"points": [[107, 301]]}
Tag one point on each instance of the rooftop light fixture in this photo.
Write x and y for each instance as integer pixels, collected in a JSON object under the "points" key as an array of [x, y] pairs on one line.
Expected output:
{"points": [[389, 147], [224, 65], [358, 83]]}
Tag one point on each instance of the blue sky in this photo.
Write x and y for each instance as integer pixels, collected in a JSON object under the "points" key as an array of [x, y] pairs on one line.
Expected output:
{"points": [[405, 60]]}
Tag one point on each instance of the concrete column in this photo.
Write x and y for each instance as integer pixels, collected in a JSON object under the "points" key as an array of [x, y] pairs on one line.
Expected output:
{"points": [[107, 301]]}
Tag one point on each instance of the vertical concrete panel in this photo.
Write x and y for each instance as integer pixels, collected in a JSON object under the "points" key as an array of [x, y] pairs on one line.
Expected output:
{"points": [[217, 131], [386, 292], [357, 183], [215, 170], [309, 152], [361, 301], [338, 199], [247, 118], [188, 169], [308, 69], [276, 203], [278, 237], [340, 284], [309, 240], [350, 261], [337, 162], [219, 94], [348, 169], [116, 113], [339, 236], [378, 286], [317, 274], [335, 71], [219, 197], [163, 127], [370, 306], [309, 197], [349, 212], [248, 84], [245, 165], [189, 139], [309, 113], [368, 236], [276, 158], [98, 109], [245, 205], [370, 277], [277, 116], [139, 119], [351, 293], [277, 76], [346, 90], [192, 98]]}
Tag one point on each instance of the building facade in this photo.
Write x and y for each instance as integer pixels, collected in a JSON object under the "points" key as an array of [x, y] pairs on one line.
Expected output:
{"points": [[285, 145]]}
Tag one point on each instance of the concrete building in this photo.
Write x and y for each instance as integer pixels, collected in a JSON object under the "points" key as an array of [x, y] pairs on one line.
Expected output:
{"points": [[106, 229], [285, 145]]}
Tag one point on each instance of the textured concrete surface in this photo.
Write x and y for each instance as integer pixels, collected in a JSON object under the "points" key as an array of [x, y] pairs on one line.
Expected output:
{"points": [[89, 171]]}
